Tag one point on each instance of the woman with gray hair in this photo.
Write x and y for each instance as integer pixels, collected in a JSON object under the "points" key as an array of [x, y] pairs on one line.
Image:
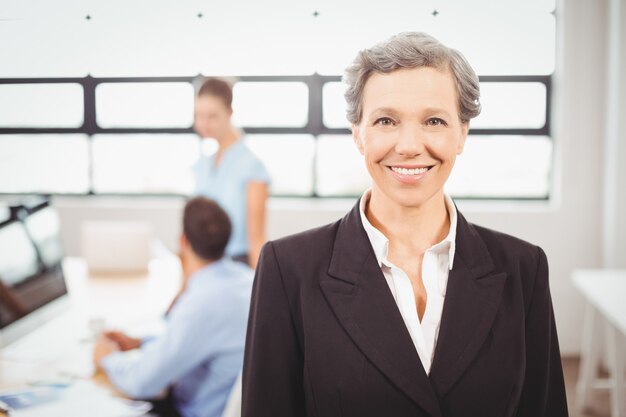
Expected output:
{"points": [[403, 307]]}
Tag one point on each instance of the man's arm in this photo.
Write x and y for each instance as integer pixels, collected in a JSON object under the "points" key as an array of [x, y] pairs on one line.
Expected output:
{"points": [[146, 372]]}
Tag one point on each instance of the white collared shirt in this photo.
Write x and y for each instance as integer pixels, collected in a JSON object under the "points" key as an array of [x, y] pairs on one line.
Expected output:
{"points": [[436, 265]]}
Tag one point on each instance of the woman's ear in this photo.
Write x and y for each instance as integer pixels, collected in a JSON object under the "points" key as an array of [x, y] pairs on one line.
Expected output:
{"points": [[356, 137]]}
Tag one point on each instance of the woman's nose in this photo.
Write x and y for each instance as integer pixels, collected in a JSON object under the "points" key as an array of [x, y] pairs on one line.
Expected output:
{"points": [[410, 141]]}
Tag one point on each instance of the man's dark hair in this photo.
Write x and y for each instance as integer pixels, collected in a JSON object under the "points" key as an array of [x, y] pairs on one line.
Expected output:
{"points": [[207, 227], [217, 88]]}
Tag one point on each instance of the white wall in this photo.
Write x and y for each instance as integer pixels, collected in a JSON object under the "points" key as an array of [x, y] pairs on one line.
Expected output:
{"points": [[619, 244], [614, 222], [569, 228]]}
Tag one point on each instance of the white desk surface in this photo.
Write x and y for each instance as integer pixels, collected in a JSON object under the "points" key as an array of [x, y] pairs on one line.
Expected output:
{"points": [[62, 348], [605, 289]]}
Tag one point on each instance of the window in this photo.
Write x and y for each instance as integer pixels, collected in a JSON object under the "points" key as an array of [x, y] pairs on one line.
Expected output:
{"points": [[144, 105], [512, 105], [41, 105], [289, 161], [141, 163], [339, 167], [127, 126], [334, 106], [44, 164], [510, 175], [267, 104]]}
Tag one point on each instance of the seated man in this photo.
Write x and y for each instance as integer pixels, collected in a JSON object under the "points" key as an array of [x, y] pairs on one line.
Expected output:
{"points": [[200, 353]]}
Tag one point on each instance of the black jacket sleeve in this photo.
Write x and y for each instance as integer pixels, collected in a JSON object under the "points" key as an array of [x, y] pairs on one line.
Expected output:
{"points": [[543, 394], [273, 362]]}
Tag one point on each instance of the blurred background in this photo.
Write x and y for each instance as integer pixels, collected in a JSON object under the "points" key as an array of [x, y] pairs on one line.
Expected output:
{"points": [[96, 110]]}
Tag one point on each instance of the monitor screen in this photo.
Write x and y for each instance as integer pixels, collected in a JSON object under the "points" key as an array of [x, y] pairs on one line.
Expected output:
{"points": [[30, 269], [44, 228], [18, 257]]}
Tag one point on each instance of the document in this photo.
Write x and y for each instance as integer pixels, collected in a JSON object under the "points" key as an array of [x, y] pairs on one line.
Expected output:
{"points": [[80, 398]]}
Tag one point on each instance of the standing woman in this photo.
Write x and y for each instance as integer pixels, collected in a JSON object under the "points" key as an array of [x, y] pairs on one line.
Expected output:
{"points": [[403, 308], [233, 176]]}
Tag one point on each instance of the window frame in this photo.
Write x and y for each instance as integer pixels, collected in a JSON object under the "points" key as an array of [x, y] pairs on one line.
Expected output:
{"points": [[314, 126]]}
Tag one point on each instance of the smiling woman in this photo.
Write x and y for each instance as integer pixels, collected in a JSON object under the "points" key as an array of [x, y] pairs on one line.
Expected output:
{"points": [[410, 133], [403, 307]]}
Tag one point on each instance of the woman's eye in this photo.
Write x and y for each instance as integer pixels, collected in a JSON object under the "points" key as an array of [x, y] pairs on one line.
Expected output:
{"points": [[384, 121], [436, 121]]}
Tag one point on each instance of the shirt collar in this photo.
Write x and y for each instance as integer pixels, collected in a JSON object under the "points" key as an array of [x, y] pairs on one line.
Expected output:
{"points": [[215, 268], [380, 243], [232, 149]]}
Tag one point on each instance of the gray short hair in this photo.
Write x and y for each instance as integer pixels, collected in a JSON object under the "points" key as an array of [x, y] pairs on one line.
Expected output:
{"points": [[411, 50]]}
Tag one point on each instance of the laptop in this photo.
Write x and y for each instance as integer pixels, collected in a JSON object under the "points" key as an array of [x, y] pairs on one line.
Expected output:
{"points": [[116, 246], [32, 282]]}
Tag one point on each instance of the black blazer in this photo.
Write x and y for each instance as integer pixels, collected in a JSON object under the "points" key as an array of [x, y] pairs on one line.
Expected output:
{"points": [[325, 337]]}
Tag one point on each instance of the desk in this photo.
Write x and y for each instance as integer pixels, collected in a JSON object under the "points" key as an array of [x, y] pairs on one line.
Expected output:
{"points": [[62, 348], [605, 295]]}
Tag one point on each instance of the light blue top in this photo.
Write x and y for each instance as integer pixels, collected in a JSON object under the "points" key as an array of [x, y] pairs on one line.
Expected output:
{"points": [[200, 353], [227, 184]]}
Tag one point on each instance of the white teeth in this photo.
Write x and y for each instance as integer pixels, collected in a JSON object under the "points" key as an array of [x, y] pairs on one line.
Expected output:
{"points": [[405, 171]]}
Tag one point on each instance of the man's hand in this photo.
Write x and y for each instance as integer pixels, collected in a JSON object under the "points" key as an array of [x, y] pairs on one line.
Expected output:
{"points": [[104, 347], [123, 341]]}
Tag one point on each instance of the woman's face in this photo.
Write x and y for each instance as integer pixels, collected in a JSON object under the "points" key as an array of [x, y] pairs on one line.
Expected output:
{"points": [[410, 133], [212, 117]]}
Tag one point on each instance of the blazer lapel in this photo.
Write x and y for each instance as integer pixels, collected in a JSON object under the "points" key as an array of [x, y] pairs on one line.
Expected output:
{"points": [[472, 298], [360, 297]]}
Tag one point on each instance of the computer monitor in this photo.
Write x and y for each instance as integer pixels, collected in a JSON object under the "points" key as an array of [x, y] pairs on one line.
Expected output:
{"points": [[32, 284], [44, 228]]}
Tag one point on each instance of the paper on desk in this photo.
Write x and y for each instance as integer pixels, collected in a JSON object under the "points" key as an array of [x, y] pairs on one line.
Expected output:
{"points": [[84, 398]]}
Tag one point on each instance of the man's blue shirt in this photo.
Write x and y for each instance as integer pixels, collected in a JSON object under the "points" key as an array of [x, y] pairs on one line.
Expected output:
{"points": [[200, 354]]}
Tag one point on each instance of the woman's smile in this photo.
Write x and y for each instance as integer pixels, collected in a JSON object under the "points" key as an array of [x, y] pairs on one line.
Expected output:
{"points": [[409, 174]]}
